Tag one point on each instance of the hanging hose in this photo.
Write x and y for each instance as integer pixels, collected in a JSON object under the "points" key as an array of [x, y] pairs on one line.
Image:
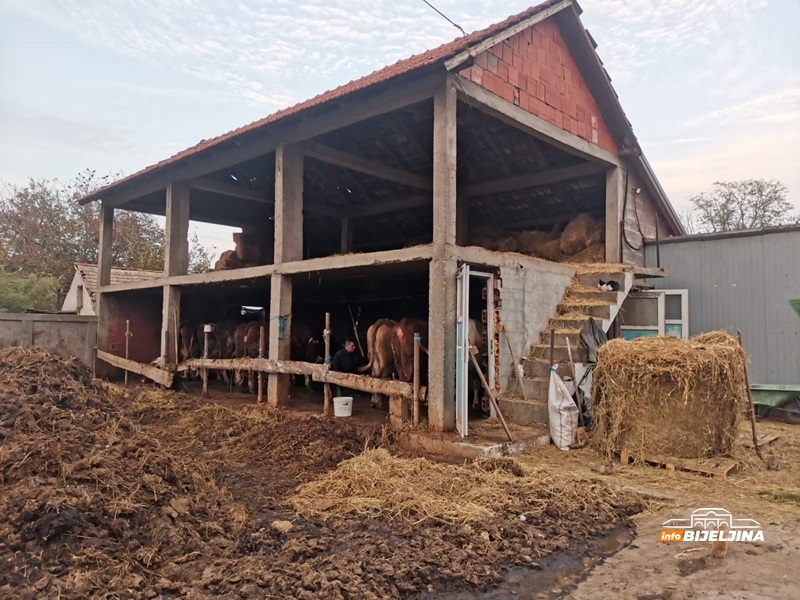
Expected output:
{"points": [[636, 213]]}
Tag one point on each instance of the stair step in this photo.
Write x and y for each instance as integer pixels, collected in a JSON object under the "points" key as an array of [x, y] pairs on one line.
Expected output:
{"points": [[573, 335], [560, 353], [516, 410], [593, 279], [598, 311], [598, 294], [537, 368], [536, 387], [575, 324]]}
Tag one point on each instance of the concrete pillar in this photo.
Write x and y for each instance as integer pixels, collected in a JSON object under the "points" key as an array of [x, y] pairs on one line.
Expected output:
{"points": [[444, 267], [280, 331], [176, 254], [288, 247], [462, 221], [103, 305], [615, 195], [170, 324]]}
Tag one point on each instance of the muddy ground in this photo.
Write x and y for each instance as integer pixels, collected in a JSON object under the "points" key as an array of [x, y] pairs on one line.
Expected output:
{"points": [[138, 493]]}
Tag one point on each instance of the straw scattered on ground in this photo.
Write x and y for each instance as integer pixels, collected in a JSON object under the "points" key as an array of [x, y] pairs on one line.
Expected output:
{"points": [[661, 396], [378, 484]]}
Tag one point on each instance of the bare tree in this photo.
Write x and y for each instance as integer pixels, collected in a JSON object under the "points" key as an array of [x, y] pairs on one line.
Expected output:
{"points": [[745, 204]]}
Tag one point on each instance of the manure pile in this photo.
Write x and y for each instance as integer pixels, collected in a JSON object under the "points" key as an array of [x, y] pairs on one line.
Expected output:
{"points": [[661, 396], [141, 493], [88, 501]]}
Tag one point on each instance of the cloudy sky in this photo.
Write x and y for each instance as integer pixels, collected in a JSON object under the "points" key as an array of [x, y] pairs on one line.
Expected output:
{"points": [[712, 87]]}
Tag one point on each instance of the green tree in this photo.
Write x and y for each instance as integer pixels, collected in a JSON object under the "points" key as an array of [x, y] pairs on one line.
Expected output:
{"points": [[736, 205], [21, 292], [199, 256]]}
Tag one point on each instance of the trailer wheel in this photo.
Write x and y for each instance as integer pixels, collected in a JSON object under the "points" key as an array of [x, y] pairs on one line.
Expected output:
{"points": [[792, 411]]}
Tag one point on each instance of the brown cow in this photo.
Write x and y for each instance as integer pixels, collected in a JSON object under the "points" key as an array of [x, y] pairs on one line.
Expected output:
{"points": [[403, 348], [379, 349], [246, 343]]}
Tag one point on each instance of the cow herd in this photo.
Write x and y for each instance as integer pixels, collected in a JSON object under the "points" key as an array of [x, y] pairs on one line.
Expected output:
{"points": [[390, 346]]}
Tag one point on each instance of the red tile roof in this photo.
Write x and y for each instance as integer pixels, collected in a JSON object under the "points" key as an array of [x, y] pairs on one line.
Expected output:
{"points": [[428, 58], [88, 273]]}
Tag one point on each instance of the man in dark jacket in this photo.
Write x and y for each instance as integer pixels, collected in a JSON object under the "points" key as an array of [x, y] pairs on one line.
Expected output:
{"points": [[347, 360]]}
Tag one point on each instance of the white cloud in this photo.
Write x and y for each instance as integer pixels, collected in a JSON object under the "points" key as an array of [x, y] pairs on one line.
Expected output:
{"points": [[782, 106]]}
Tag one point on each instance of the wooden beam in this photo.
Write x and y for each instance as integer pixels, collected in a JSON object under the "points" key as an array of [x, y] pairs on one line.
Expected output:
{"points": [[462, 57], [261, 365], [390, 206], [363, 383], [536, 126], [364, 165], [519, 182], [145, 370], [230, 189], [347, 236], [335, 114]]}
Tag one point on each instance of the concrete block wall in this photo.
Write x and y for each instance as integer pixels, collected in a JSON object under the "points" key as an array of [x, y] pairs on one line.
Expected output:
{"points": [[530, 295], [65, 335], [535, 70]]}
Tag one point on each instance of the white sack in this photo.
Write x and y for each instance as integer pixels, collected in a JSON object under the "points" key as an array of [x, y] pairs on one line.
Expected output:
{"points": [[562, 413]]}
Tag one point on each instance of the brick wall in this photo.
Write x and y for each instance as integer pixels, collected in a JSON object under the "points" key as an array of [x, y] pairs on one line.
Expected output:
{"points": [[535, 70]]}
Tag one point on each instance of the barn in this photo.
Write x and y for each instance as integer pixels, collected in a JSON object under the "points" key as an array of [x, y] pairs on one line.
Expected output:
{"points": [[406, 193]]}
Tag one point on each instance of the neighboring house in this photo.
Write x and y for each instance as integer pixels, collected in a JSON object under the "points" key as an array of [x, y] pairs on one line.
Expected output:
{"points": [[81, 297]]}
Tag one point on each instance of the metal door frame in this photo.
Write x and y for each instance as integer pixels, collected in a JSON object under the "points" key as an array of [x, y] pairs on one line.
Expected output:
{"points": [[462, 341]]}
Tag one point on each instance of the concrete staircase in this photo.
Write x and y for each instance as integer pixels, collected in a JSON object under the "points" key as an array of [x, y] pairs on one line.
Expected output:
{"points": [[582, 299]]}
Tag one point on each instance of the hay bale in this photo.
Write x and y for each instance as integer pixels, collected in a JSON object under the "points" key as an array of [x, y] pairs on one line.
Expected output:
{"points": [[666, 397], [529, 242], [227, 260], [595, 253], [548, 251], [575, 236], [507, 244], [597, 235]]}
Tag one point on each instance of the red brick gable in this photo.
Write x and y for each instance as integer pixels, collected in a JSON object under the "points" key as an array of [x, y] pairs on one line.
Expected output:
{"points": [[535, 70]]}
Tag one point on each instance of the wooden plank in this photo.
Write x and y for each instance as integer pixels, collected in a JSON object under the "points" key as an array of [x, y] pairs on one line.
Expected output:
{"points": [[229, 189], [536, 179], [462, 57], [536, 126], [763, 440], [364, 165], [715, 467], [152, 372], [261, 365], [363, 383], [335, 114]]}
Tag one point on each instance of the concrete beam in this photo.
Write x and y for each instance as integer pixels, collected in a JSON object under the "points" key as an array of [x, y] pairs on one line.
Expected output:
{"points": [[444, 167], [389, 206], [364, 165], [615, 196], [535, 126], [347, 235], [176, 254], [288, 203], [105, 257], [230, 189], [510, 184]]}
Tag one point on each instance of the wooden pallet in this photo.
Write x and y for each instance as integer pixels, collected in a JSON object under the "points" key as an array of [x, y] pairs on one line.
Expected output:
{"points": [[715, 467], [763, 440]]}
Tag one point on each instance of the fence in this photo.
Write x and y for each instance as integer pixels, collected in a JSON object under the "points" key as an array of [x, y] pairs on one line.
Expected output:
{"points": [[65, 335]]}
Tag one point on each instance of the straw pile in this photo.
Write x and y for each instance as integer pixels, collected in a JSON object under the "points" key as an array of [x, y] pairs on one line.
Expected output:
{"points": [[581, 241], [666, 397], [377, 484]]}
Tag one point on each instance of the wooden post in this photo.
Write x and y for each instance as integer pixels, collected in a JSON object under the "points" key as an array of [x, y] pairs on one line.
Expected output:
{"points": [[516, 365], [552, 344], [752, 408], [326, 335], [261, 334], [415, 397], [347, 235], [204, 371], [127, 345]]}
